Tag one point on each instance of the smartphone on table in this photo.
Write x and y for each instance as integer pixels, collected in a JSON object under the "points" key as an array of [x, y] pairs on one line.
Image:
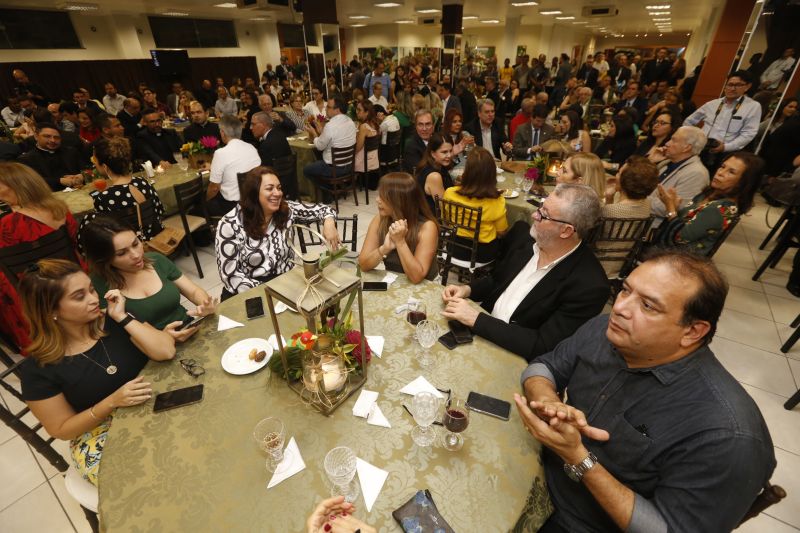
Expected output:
{"points": [[254, 307], [178, 398], [487, 405], [461, 333], [375, 286], [190, 322]]}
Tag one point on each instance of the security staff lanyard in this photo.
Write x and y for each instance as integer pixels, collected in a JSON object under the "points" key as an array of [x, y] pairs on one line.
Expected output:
{"points": [[733, 114]]}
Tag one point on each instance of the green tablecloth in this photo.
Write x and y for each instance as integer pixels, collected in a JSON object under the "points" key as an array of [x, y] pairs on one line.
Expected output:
{"points": [[305, 155], [197, 468]]}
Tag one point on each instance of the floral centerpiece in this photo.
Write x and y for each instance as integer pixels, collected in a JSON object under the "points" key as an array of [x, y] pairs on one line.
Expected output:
{"points": [[200, 152], [537, 172]]}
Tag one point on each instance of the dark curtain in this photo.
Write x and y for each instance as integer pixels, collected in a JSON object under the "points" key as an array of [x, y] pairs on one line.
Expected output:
{"points": [[60, 78]]}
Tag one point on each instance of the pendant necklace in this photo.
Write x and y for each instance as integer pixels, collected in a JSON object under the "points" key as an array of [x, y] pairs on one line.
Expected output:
{"points": [[111, 369]]}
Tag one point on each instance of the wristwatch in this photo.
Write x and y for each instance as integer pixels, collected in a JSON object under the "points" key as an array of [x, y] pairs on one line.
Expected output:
{"points": [[125, 321], [576, 472]]}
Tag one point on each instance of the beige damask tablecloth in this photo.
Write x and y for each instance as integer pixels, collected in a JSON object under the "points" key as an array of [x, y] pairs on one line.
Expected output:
{"points": [[197, 468]]}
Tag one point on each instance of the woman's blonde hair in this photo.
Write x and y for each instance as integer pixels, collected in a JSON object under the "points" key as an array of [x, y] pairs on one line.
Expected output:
{"points": [[41, 291], [589, 168], [31, 189]]}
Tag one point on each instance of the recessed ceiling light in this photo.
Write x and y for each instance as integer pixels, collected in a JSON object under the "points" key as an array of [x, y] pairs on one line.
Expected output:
{"points": [[404, 21], [524, 4], [357, 25], [490, 21], [660, 34], [80, 6], [229, 5], [665, 6], [175, 14], [387, 4], [469, 17], [551, 12], [662, 20], [658, 13], [259, 19], [581, 22], [426, 10], [359, 17], [565, 18]]}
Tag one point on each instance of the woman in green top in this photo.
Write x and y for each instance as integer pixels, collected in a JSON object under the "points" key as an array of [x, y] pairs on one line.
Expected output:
{"points": [[151, 283]]}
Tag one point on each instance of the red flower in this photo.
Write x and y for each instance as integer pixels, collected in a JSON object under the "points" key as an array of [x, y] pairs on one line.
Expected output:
{"points": [[532, 173], [354, 337]]}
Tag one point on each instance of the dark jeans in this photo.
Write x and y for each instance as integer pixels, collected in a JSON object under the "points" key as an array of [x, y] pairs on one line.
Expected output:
{"points": [[319, 172], [551, 526]]}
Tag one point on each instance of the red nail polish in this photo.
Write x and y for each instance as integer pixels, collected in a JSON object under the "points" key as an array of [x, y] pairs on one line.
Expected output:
{"points": [[327, 527]]}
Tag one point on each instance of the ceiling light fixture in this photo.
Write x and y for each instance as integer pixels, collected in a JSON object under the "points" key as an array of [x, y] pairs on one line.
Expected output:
{"points": [[469, 17], [80, 6], [228, 5], [524, 4], [551, 12], [359, 25], [490, 21], [260, 19], [688, 34], [404, 21], [359, 17], [387, 4], [175, 14], [581, 22], [660, 34], [665, 6], [659, 13], [565, 18], [426, 10]]}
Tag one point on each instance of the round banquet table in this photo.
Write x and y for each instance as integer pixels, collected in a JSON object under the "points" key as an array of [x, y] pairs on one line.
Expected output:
{"points": [[197, 467]]}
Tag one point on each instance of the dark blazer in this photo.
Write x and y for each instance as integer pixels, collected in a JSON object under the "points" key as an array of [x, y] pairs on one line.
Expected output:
{"points": [[590, 76], [157, 148], [622, 75], [452, 103], [469, 106], [193, 132], [498, 135], [654, 71], [575, 290], [130, 123], [412, 154], [639, 104], [52, 166], [275, 145], [523, 139]]}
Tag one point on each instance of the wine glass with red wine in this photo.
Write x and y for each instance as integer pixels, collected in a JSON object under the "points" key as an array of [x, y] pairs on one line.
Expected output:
{"points": [[416, 312], [455, 421]]}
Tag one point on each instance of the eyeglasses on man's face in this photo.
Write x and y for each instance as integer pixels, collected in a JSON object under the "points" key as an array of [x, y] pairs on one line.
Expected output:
{"points": [[542, 214]]}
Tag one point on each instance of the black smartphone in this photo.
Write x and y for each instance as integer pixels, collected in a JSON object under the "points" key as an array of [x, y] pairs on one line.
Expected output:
{"points": [[448, 340], [254, 307], [178, 398], [488, 405], [375, 286], [190, 322], [462, 333]]}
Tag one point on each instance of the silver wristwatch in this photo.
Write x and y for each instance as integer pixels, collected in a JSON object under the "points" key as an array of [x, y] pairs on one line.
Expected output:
{"points": [[576, 472]]}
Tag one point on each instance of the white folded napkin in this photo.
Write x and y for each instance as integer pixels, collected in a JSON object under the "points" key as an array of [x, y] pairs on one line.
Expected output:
{"points": [[389, 278], [364, 404], [292, 463], [67, 189], [227, 323], [273, 341], [377, 418], [372, 479], [420, 385], [280, 307], [375, 344]]}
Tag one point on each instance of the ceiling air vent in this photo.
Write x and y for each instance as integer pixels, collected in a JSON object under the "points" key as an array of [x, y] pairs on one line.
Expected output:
{"points": [[599, 11]]}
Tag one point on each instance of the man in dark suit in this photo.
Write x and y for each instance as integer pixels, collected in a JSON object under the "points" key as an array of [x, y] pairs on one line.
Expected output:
{"points": [[656, 69], [487, 128], [130, 117], [415, 145], [588, 74], [156, 144], [206, 94], [449, 100], [271, 144], [469, 105], [631, 98], [528, 139], [60, 166], [82, 100], [547, 282], [200, 126]]}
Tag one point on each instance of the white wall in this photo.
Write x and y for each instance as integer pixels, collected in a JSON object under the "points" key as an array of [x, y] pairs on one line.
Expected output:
{"points": [[129, 37]]}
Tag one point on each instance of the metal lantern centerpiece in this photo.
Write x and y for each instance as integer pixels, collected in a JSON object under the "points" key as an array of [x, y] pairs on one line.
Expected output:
{"points": [[314, 288]]}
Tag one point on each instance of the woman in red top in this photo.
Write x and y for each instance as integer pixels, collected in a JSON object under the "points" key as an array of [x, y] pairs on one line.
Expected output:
{"points": [[35, 212], [89, 131]]}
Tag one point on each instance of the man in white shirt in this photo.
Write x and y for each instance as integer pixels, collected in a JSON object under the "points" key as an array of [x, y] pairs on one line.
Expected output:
{"points": [[377, 97], [338, 132], [12, 113], [316, 106], [389, 122], [225, 104], [772, 77], [112, 101], [732, 120], [546, 285], [236, 157]]}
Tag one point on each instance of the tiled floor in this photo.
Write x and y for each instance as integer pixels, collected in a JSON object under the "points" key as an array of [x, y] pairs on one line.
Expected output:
{"points": [[754, 325]]}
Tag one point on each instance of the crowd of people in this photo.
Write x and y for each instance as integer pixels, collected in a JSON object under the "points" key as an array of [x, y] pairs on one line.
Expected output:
{"points": [[632, 150]]}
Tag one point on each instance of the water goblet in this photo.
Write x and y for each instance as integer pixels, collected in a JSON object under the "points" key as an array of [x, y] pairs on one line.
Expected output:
{"points": [[270, 435], [424, 407], [427, 333], [526, 186], [340, 466], [183, 162], [518, 182], [455, 420]]}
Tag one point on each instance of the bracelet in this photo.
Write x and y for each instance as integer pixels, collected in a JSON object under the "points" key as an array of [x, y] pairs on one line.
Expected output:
{"points": [[91, 412], [383, 255]]}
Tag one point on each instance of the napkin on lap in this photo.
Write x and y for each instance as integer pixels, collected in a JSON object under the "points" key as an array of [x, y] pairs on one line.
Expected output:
{"points": [[372, 479], [420, 385], [292, 463], [227, 323]]}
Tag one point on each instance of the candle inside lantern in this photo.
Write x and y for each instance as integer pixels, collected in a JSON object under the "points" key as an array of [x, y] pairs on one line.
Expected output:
{"points": [[333, 376]]}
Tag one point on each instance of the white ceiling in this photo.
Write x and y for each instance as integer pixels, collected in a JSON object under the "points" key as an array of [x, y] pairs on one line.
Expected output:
{"points": [[685, 15]]}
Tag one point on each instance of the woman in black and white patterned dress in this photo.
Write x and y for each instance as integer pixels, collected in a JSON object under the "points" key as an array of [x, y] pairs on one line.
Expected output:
{"points": [[113, 158], [251, 245]]}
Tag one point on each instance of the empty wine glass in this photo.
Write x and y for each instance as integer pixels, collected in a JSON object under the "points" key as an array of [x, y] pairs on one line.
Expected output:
{"points": [[340, 465], [270, 435], [455, 420], [183, 162], [424, 407], [517, 181], [526, 186], [427, 333]]}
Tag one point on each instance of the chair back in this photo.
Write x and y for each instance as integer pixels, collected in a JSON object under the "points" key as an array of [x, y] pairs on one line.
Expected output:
{"points": [[616, 242], [286, 169], [130, 215], [724, 235], [191, 195], [389, 153], [55, 245], [347, 227], [371, 144], [342, 157], [452, 217]]}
